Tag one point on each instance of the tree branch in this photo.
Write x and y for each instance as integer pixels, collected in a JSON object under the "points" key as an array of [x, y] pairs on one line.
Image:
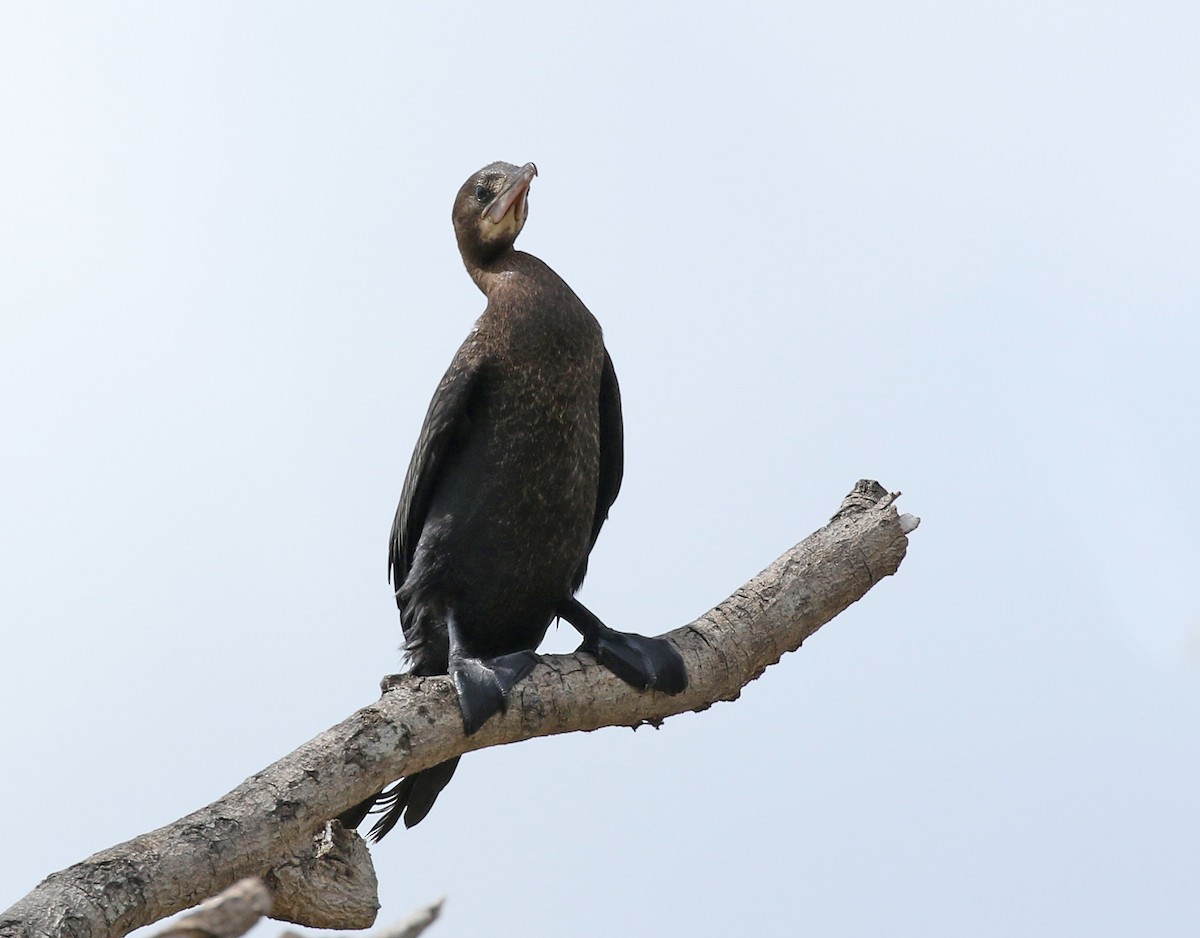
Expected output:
{"points": [[279, 813], [409, 927], [229, 915]]}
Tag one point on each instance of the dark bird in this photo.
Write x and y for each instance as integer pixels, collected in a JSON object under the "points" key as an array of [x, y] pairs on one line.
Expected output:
{"points": [[515, 469]]}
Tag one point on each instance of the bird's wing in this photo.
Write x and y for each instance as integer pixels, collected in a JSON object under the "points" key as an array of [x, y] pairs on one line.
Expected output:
{"points": [[445, 427], [612, 445]]}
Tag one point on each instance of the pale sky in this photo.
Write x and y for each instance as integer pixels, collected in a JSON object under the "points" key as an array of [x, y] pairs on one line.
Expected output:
{"points": [[952, 247]]}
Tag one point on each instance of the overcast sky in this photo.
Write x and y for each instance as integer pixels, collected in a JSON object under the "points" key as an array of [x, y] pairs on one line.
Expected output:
{"points": [[952, 247]]}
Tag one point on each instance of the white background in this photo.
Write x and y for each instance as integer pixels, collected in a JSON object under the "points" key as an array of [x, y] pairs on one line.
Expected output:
{"points": [[952, 247]]}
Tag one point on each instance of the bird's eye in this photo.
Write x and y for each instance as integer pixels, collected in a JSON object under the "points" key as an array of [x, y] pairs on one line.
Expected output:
{"points": [[481, 192]]}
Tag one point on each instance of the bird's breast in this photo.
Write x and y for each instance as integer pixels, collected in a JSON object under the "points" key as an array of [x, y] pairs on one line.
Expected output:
{"points": [[519, 496]]}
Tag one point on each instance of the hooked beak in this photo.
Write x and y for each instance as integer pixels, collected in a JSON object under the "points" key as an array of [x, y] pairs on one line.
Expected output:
{"points": [[515, 194]]}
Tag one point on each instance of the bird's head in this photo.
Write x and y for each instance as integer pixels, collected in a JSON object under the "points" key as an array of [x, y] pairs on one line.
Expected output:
{"points": [[490, 211]]}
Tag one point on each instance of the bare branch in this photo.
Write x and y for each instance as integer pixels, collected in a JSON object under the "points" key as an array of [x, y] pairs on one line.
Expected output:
{"points": [[329, 884], [229, 915], [416, 923], [277, 813], [409, 927]]}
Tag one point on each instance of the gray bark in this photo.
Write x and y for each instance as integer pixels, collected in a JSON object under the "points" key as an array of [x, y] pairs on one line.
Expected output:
{"points": [[228, 915], [409, 927], [280, 813]]}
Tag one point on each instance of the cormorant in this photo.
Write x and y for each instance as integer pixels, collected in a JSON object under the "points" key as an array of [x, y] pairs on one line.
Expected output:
{"points": [[513, 474]]}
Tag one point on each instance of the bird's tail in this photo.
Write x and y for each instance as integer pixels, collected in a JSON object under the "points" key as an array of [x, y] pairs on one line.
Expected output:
{"points": [[410, 798]]}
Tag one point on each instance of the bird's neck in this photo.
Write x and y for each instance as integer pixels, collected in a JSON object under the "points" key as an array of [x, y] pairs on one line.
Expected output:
{"points": [[503, 269]]}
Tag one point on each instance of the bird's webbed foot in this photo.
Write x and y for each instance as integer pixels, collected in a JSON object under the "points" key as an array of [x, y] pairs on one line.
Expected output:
{"points": [[645, 663], [484, 684]]}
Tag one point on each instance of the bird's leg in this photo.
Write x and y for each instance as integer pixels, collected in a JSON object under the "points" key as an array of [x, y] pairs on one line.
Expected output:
{"points": [[484, 684], [646, 663]]}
